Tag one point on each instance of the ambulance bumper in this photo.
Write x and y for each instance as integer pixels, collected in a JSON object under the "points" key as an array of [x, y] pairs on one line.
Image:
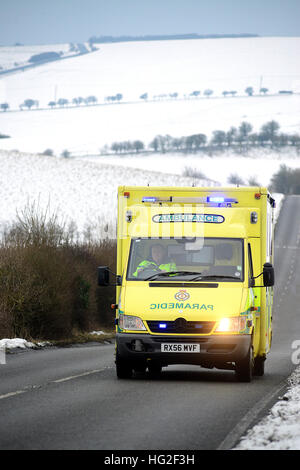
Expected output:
{"points": [[211, 351]]}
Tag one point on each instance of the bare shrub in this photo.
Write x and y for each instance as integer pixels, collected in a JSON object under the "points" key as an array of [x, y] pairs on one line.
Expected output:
{"points": [[235, 179], [48, 283], [35, 226], [193, 173], [48, 152]]}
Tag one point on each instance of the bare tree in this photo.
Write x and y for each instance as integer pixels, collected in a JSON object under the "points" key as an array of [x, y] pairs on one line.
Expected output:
{"points": [[4, 106], [208, 93], [249, 90]]}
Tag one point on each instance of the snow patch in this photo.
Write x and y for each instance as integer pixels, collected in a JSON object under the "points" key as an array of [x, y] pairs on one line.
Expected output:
{"points": [[16, 343], [98, 333], [280, 429]]}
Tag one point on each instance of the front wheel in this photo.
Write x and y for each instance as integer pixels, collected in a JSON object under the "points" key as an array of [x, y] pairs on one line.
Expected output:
{"points": [[123, 368], [259, 366], [154, 370], [244, 368]]}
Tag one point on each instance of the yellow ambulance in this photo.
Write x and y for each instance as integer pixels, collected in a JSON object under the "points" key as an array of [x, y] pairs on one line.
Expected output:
{"points": [[194, 279]]}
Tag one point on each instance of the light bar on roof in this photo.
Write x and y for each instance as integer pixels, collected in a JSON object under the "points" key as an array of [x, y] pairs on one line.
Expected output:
{"points": [[190, 200]]}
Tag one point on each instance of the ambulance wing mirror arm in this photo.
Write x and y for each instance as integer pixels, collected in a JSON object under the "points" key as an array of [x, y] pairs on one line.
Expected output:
{"points": [[268, 276], [104, 276]]}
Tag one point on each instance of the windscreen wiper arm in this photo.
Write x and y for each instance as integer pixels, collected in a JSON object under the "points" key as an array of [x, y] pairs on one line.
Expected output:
{"points": [[171, 273], [214, 276]]}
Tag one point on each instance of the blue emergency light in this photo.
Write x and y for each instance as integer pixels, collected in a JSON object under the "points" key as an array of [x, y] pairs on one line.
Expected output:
{"points": [[220, 200], [149, 199], [217, 200], [162, 325]]}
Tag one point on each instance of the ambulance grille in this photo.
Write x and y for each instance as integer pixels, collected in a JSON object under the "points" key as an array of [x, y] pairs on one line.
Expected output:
{"points": [[187, 327]]}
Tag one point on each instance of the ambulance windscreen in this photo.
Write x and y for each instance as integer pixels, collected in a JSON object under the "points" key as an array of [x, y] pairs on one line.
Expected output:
{"points": [[174, 259]]}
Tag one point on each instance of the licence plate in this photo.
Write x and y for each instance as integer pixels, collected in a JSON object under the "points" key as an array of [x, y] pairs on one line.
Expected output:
{"points": [[180, 347]]}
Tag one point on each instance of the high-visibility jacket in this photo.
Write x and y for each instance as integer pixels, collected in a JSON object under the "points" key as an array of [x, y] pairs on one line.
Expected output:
{"points": [[151, 264]]}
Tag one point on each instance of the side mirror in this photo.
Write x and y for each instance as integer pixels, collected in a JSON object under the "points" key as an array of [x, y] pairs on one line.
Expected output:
{"points": [[268, 275], [103, 276]]}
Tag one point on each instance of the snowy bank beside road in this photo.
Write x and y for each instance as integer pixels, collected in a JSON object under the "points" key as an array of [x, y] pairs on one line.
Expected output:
{"points": [[20, 343], [10, 344], [280, 429], [279, 200]]}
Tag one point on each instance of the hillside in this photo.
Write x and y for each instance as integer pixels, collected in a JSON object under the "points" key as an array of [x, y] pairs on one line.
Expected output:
{"points": [[158, 69], [14, 57], [259, 165], [82, 192]]}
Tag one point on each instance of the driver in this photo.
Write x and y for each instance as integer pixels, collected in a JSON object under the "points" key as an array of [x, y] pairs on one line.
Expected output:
{"points": [[157, 262]]}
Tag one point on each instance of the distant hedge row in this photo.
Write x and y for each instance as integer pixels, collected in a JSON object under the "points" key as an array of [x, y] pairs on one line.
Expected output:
{"points": [[240, 138], [44, 57]]}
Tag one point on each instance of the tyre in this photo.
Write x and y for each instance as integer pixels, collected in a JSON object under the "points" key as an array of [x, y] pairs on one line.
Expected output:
{"points": [[154, 370], [139, 369], [259, 366], [123, 368], [244, 368]]}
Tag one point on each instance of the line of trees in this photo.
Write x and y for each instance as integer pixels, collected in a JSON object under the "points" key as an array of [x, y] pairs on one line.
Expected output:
{"points": [[241, 138], [77, 101], [128, 146], [62, 102], [164, 37]]}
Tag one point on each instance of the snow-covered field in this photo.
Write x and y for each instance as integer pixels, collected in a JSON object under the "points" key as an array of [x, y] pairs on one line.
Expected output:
{"points": [[16, 56], [80, 191], [86, 130], [84, 191], [160, 67], [81, 187], [258, 164], [156, 68]]}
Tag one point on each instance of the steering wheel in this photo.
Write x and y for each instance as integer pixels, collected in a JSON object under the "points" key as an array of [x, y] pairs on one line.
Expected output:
{"points": [[148, 271]]}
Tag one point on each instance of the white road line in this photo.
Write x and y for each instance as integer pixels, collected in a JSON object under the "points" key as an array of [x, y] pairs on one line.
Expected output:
{"points": [[289, 247], [65, 379], [12, 394]]}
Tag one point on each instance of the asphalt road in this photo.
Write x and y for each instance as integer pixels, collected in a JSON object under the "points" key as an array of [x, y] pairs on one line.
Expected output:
{"points": [[70, 398]]}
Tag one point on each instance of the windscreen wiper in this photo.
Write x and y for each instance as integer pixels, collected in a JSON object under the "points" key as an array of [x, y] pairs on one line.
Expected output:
{"points": [[214, 276], [171, 274]]}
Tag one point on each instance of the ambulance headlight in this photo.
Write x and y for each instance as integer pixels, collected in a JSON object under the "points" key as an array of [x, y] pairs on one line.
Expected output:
{"points": [[129, 322], [231, 325]]}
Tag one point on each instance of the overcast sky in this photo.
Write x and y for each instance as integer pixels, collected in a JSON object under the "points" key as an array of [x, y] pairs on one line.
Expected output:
{"points": [[55, 21]]}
